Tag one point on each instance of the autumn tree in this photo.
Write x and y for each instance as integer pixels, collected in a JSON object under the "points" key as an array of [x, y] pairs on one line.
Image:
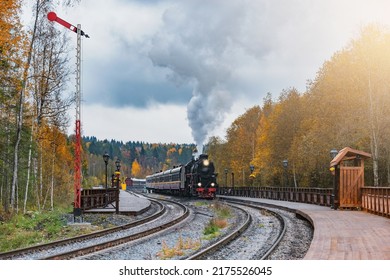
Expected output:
{"points": [[236, 153], [372, 61], [11, 66], [349, 99], [216, 150], [49, 75], [136, 169], [33, 109]]}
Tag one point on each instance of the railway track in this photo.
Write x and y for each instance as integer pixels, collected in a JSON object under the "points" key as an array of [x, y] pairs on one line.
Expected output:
{"points": [[294, 239], [192, 230], [228, 238], [244, 235], [207, 253], [85, 244]]}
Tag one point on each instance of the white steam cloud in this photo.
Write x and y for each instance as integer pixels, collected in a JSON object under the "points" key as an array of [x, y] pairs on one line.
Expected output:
{"points": [[204, 46]]}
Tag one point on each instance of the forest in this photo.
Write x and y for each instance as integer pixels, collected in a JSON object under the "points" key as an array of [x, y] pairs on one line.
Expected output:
{"points": [[36, 159], [137, 159], [347, 104]]}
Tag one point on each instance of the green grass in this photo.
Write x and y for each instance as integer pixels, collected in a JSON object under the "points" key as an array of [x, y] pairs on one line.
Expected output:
{"points": [[36, 227], [26, 230], [211, 228], [201, 203], [220, 220], [222, 210]]}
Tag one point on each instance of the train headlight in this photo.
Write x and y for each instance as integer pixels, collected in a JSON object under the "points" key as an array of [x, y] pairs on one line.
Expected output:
{"points": [[213, 184], [199, 184], [206, 162]]}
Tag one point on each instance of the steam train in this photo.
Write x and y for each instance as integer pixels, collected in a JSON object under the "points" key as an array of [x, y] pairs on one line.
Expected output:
{"points": [[195, 179]]}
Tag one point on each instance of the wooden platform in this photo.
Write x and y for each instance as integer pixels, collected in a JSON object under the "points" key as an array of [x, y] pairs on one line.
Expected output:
{"points": [[341, 235], [129, 204]]}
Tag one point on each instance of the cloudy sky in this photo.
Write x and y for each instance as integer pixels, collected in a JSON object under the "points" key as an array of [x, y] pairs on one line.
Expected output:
{"points": [[181, 71]]}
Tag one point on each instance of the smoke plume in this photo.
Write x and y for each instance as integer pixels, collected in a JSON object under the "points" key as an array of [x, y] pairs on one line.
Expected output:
{"points": [[196, 55], [203, 45]]}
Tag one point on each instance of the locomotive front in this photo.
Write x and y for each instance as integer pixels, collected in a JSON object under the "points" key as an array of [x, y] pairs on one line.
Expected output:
{"points": [[204, 177]]}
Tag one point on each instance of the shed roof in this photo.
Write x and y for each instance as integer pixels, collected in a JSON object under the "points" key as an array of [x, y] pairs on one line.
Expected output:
{"points": [[348, 153]]}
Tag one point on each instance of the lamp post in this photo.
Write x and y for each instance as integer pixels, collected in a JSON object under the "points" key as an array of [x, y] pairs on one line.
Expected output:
{"points": [[106, 157], [117, 173], [118, 164], [226, 173], [333, 154], [252, 168], [285, 165]]}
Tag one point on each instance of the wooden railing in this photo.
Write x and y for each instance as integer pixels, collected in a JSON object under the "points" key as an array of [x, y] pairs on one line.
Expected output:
{"points": [[376, 200], [97, 198], [319, 196]]}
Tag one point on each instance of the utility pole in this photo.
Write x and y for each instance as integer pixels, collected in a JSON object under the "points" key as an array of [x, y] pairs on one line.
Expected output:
{"points": [[77, 211]]}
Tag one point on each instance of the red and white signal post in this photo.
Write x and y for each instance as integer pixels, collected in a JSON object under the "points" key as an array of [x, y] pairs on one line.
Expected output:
{"points": [[77, 158]]}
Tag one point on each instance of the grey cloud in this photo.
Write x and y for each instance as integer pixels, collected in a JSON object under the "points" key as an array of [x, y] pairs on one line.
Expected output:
{"points": [[207, 54], [115, 86]]}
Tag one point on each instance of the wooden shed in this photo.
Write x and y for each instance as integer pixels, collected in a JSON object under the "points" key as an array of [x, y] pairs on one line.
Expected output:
{"points": [[349, 177]]}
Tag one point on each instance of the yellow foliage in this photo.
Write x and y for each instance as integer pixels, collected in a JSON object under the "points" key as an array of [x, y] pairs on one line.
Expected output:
{"points": [[135, 169], [179, 248], [12, 42], [171, 151]]}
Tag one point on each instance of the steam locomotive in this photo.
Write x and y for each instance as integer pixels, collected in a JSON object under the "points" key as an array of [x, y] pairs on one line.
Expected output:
{"points": [[195, 179]]}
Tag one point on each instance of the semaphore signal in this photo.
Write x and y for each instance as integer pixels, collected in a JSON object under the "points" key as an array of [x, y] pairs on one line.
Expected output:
{"points": [[77, 159]]}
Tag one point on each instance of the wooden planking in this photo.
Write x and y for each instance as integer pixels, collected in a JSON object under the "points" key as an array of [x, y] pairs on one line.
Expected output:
{"points": [[349, 235], [341, 235]]}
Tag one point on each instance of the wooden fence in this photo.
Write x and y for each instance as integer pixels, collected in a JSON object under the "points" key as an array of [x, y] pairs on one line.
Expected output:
{"points": [[97, 198], [317, 196], [374, 200]]}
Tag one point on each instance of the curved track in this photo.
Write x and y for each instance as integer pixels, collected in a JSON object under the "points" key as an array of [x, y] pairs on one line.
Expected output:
{"points": [[235, 234], [226, 239], [67, 246], [296, 237], [124, 239]]}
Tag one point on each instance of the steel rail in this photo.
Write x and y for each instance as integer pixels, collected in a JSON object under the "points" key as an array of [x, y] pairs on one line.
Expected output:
{"points": [[29, 250], [112, 243], [282, 220], [233, 235]]}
